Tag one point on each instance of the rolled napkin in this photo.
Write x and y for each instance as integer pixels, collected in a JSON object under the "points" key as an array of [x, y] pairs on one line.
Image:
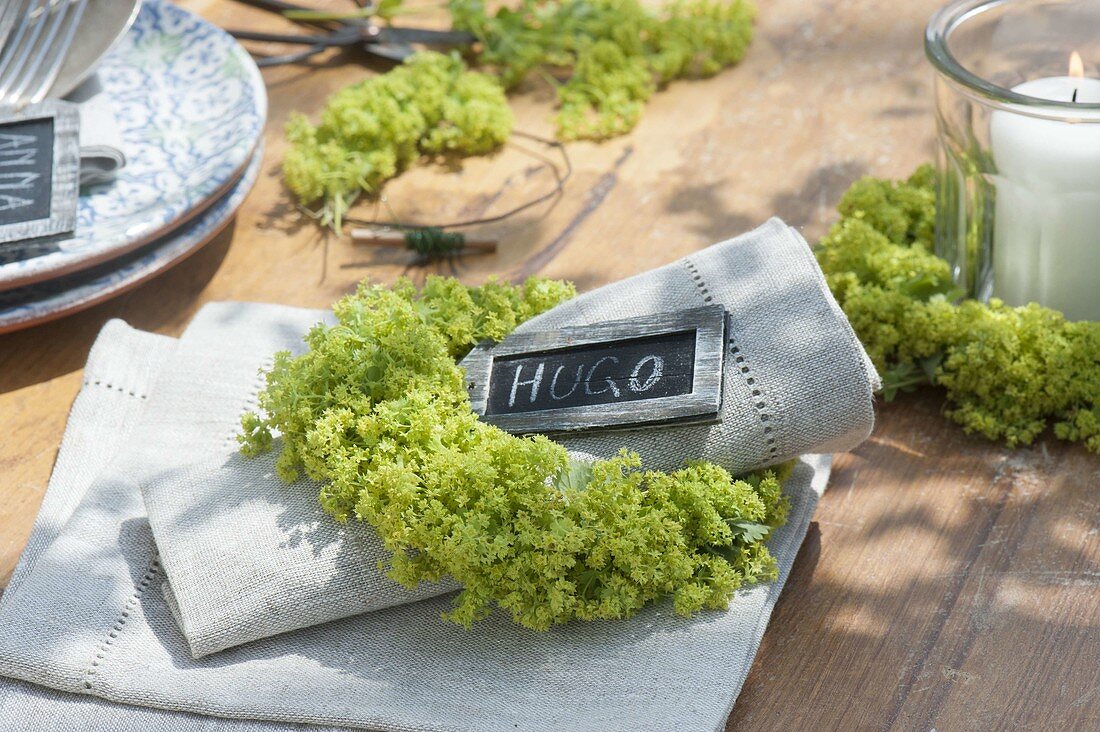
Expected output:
{"points": [[87, 641], [101, 145], [248, 558], [795, 379]]}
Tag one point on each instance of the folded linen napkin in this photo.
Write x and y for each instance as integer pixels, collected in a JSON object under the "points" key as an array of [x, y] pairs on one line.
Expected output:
{"points": [[117, 379], [86, 613], [85, 617], [101, 145], [795, 379], [248, 558]]}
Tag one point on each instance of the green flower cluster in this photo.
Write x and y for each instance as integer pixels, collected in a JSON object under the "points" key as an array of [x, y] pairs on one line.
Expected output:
{"points": [[377, 409], [619, 52], [1009, 372], [371, 131]]}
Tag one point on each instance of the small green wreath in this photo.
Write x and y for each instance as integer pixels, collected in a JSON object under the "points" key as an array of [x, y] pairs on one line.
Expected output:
{"points": [[1009, 373], [377, 409]]}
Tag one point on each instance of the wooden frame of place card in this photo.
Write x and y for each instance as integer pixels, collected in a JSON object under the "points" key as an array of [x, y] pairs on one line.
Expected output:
{"points": [[39, 170], [647, 371]]}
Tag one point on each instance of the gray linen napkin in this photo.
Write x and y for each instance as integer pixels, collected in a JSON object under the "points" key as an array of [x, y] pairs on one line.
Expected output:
{"points": [[118, 376], [248, 558], [796, 378], [101, 146], [253, 557], [85, 614]]}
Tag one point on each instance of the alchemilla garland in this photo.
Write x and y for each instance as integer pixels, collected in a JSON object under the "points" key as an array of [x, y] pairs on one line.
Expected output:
{"points": [[612, 55], [378, 410], [1009, 372], [429, 106]]}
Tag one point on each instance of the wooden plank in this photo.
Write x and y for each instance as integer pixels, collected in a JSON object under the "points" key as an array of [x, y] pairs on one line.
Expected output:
{"points": [[947, 582]]}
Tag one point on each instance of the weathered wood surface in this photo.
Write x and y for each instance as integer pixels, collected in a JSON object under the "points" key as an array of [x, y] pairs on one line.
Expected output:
{"points": [[946, 583]]}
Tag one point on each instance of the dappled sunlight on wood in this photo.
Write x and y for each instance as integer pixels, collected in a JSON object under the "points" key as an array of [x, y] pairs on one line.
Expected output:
{"points": [[948, 584], [901, 447]]}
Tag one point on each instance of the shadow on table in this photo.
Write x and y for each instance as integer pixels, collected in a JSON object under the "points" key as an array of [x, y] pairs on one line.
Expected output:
{"points": [[953, 585], [163, 303]]}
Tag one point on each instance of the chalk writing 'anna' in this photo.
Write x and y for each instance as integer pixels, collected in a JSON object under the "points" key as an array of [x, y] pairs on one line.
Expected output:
{"points": [[39, 170], [9, 203], [17, 150], [15, 141], [10, 158], [18, 181]]}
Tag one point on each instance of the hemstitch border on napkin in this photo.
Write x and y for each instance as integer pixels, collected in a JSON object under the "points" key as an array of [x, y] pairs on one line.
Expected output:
{"points": [[105, 646], [759, 402]]}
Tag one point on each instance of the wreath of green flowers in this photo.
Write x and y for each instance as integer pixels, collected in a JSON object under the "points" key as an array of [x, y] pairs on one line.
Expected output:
{"points": [[378, 410], [1009, 372], [431, 105], [614, 54]]}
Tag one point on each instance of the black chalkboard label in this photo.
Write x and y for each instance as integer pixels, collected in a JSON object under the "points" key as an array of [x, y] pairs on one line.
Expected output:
{"points": [[597, 373], [39, 170], [626, 373], [26, 170]]}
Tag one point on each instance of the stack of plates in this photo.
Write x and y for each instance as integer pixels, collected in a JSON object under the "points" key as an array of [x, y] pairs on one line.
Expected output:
{"points": [[190, 105]]}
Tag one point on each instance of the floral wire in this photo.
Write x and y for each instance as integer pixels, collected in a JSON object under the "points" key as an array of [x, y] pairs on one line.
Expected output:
{"points": [[560, 179]]}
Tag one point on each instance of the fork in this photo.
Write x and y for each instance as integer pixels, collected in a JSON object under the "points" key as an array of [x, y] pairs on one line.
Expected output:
{"points": [[36, 36]]}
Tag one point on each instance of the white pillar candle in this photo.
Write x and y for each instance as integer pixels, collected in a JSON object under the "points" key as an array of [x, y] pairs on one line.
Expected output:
{"points": [[1046, 243]]}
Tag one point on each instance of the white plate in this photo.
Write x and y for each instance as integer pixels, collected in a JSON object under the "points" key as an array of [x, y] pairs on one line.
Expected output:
{"points": [[38, 303], [190, 104]]}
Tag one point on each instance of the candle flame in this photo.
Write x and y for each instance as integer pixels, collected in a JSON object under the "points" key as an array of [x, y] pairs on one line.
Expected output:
{"points": [[1076, 66]]}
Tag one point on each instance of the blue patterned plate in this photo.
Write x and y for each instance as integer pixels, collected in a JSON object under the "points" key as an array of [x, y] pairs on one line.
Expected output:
{"points": [[38, 303], [190, 104]]}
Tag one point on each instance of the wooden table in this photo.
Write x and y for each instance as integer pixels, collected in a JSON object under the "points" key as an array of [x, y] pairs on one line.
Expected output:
{"points": [[947, 582]]}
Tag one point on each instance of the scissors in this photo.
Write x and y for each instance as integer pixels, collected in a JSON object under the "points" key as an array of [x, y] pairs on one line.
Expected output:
{"points": [[388, 42]]}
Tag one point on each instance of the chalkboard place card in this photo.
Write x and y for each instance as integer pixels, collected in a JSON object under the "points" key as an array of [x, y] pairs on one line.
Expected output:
{"points": [[652, 370], [39, 170]]}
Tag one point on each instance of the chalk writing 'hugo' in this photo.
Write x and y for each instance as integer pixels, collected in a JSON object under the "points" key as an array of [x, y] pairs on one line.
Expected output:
{"points": [[579, 376], [596, 379], [662, 368]]}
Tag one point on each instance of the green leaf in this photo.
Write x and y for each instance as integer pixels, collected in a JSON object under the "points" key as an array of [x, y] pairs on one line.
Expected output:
{"points": [[749, 532], [574, 476], [906, 377], [930, 365]]}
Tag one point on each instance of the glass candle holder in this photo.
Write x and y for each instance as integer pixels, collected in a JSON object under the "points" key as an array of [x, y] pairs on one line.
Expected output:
{"points": [[1018, 115]]}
